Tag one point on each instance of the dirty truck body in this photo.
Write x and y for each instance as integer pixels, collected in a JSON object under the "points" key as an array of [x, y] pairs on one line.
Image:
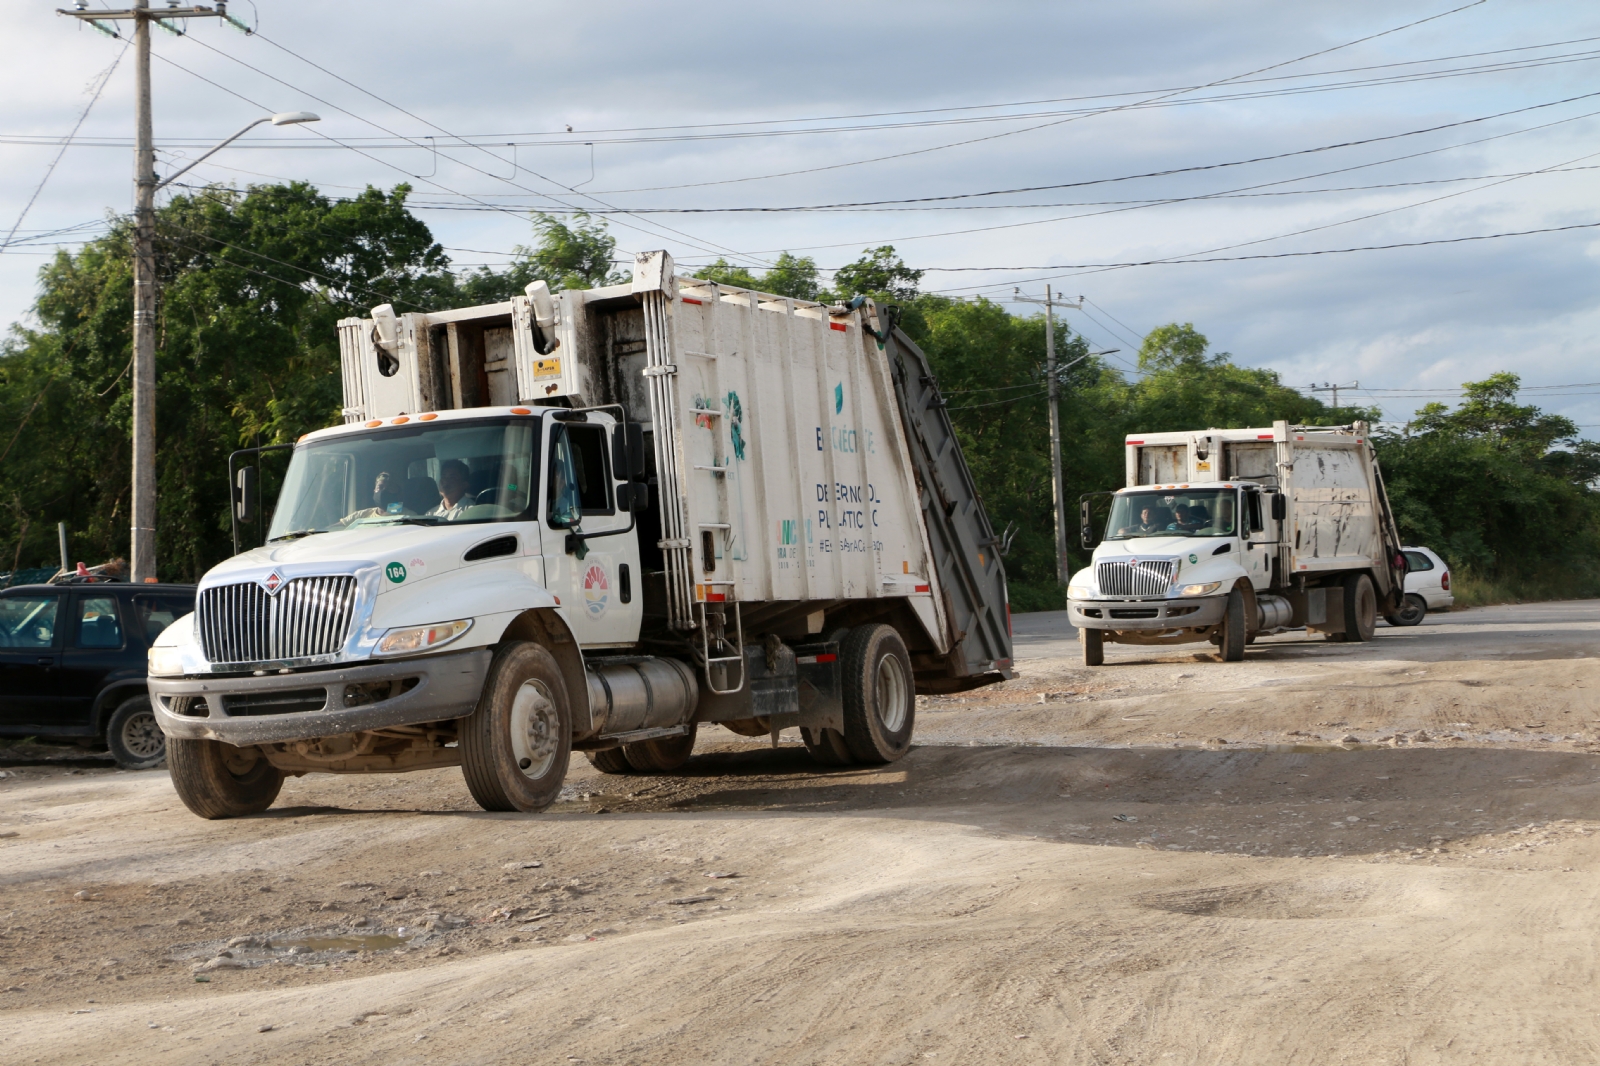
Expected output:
{"points": [[595, 520], [1223, 535]]}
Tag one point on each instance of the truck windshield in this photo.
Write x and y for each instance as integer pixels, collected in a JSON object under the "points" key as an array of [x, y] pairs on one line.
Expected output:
{"points": [[1173, 513], [421, 474]]}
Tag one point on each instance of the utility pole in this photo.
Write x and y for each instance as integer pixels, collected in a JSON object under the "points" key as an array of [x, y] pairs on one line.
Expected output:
{"points": [[1334, 388], [1053, 385], [142, 553]]}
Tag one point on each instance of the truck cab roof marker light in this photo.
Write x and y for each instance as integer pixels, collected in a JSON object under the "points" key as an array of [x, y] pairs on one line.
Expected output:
{"points": [[400, 421], [429, 417], [375, 423], [522, 410]]}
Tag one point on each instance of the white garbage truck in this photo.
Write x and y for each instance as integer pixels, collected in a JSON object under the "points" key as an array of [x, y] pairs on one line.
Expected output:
{"points": [[593, 520], [1226, 534]]}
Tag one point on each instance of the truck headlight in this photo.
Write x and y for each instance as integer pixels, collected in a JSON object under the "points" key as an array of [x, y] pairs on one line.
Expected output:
{"points": [[421, 638], [165, 662], [1200, 590], [1080, 592]]}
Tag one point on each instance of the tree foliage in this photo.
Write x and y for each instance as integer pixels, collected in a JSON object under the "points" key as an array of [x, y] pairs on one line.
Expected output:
{"points": [[253, 282]]}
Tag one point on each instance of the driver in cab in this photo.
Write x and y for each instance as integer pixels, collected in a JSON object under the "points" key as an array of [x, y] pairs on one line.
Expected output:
{"points": [[388, 497], [1149, 522]]}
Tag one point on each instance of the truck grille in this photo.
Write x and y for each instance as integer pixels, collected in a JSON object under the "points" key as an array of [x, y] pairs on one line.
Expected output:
{"points": [[309, 616], [1136, 577]]}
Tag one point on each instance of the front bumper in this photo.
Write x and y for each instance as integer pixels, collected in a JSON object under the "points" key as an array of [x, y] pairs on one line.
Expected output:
{"points": [[1147, 615], [319, 703]]}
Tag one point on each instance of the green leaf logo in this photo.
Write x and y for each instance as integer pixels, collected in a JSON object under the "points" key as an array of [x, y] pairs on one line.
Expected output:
{"points": [[838, 398], [396, 572]]}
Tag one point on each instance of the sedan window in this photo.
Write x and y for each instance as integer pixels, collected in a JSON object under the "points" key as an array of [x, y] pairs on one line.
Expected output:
{"points": [[98, 626], [1416, 561]]}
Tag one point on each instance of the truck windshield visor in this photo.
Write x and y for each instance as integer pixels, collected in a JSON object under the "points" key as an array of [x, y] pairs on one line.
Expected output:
{"points": [[421, 474], [1173, 513]]}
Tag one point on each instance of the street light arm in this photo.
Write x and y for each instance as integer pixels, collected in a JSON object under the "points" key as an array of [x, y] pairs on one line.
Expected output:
{"points": [[213, 151], [283, 118]]}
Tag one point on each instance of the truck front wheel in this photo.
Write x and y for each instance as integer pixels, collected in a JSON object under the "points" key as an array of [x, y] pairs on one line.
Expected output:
{"points": [[1360, 608], [1094, 647], [880, 702], [1233, 629], [515, 745], [217, 780]]}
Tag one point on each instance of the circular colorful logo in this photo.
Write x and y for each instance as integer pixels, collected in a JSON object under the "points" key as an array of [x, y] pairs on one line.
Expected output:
{"points": [[396, 572], [596, 590]]}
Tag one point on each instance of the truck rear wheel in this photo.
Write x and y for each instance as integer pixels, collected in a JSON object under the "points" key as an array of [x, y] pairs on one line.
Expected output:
{"points": [[609, 761], [1233, 630], [661, 756], [880, 703], [826, 746], [1360, 608], [515, 745], [217, 780], [1094, 647]]}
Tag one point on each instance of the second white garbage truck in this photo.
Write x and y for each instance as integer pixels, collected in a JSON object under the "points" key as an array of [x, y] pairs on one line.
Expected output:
{"points": [[593, 520], [1225, 534]]}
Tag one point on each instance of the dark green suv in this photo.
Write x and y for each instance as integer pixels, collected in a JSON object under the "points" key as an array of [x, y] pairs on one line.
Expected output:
{"points": [[72, 664]]}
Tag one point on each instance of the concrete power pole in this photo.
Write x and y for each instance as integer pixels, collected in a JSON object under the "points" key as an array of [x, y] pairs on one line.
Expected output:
{"points": [[143, 551], [1334, 388], [1053, 385]]}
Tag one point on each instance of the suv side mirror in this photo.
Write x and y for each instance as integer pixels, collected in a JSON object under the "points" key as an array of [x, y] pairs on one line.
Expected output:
{"points": [[244, 494], [1086, 531], [1280, 507]]}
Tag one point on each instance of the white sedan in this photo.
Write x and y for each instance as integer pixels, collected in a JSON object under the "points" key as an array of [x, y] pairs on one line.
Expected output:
{"points": [[1427, 587]]}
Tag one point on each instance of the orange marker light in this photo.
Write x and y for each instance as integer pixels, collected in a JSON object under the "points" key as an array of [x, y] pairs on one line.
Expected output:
{"points": [[522, 410], [429, 417], [375, 423], [399, 421]]}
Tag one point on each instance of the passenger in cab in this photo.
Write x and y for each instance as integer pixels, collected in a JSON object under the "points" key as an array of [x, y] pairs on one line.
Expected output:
{"points": [[454, 499]]}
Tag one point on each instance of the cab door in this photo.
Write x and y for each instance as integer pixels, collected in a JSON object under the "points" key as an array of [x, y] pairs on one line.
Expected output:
{"points": [[595, 577], [1259, 545]]}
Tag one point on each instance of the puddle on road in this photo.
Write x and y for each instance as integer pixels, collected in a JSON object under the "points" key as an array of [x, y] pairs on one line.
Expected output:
{"points": [[377, 942]]}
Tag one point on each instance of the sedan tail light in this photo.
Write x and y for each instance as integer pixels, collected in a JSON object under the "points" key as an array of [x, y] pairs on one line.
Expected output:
{"points": [[1444, 582]]}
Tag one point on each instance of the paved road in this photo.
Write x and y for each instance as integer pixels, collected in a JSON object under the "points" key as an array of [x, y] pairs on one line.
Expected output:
{"points": [[1567, 629]]}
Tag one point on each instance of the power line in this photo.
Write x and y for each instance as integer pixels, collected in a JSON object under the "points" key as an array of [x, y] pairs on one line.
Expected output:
{"points": [[65, 144]]}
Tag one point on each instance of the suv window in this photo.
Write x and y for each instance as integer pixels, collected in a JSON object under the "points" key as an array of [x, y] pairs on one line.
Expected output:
{"points": [[1417, 561], [28, 621], [98, 625], [155, 613]]}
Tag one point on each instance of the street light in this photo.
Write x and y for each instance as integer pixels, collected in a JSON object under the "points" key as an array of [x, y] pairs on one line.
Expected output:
{"points": [[282, 118]]}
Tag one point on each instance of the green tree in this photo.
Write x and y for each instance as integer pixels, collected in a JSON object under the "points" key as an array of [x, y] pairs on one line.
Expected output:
{"points": [[1186, 387], [790, 275], [575, 256], [252, 285], [879, 273]]}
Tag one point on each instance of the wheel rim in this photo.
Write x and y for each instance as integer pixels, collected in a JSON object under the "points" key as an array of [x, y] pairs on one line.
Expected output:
{"points": [[142, 737], [534, 725], [892, 693]]}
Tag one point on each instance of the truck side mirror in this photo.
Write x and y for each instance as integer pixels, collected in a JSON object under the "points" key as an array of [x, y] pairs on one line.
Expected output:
{"points": [[1280, 507], [1086, 530], [244, 494], [627, 452], [634, 496]]}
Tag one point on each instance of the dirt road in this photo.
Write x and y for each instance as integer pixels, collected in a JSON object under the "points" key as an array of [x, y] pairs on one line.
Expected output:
{"points": [[1380, 853]]}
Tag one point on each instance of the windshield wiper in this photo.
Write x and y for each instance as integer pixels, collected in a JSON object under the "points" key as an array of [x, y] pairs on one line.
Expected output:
{"points": [[296, 535], [409, 519]]}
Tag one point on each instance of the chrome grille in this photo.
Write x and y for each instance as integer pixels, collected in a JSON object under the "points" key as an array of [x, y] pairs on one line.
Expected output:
{"points": [[309, 616], [1136, 577]]}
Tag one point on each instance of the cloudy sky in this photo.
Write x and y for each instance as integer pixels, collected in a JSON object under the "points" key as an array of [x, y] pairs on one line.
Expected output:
{"points": [[1105, 149]]}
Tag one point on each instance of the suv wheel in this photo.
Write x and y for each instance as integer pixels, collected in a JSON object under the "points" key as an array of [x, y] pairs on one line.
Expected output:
{"points": [[133, 736]]}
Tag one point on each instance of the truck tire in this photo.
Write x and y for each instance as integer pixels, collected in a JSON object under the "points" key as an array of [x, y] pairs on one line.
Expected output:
{"points": [[1411, 612], [826, 746], [661, 756], [1094, 647], [1233, 632], [1360, 608], [880, 702], [516, 743], [135, 740], [609, 761], [217, 780]]}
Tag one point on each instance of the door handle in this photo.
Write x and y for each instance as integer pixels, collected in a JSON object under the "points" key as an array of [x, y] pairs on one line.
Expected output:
{"points": [[45, 661]]}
